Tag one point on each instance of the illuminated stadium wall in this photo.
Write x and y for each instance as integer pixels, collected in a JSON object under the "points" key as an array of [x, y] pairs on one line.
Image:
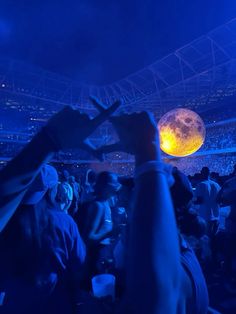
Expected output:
{"points": [[200, 76]]}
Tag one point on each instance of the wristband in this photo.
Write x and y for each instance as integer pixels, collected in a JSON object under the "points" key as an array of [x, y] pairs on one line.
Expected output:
{"points": [[155, 166]]}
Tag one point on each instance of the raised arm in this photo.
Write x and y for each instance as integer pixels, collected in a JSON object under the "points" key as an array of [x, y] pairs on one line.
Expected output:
{"points": [[16, 177], [153, 274], [154, 260], [67, 129]]}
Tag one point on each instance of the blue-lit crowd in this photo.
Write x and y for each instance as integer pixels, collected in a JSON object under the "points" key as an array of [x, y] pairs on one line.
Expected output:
{"points": [[168, 239]]}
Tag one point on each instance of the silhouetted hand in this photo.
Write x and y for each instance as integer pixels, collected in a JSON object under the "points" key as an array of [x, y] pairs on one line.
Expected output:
{"points": [[69, 129], [138, 132]]}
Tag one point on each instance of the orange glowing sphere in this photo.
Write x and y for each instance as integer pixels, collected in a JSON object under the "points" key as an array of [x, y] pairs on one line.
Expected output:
{"points": [[182, 132]]}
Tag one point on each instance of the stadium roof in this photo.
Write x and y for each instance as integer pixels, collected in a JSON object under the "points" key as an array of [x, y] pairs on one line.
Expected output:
{"points": [[196, 75]]}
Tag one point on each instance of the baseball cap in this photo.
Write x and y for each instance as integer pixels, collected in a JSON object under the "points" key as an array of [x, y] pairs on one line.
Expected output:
{"points": [[45, 180], [107, 180]]}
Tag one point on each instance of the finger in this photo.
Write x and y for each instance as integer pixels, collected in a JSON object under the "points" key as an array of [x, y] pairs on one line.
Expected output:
{"points": [[103, 116], [97, 104], [91, 149], [106, 149]]}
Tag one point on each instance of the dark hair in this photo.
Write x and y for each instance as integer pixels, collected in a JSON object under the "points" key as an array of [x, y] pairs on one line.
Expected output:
{"points": [[205, 171], [191, 224], [127, 182], [181, 191], [28, 240], [90, 176]]}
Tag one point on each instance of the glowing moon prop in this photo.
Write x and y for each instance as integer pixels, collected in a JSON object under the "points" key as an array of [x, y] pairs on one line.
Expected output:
{"points": [[182, 132]]}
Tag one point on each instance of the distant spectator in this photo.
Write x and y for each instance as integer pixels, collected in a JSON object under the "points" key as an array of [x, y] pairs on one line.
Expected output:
{"points": [[76, 195], [88, 187], [206, 199]]}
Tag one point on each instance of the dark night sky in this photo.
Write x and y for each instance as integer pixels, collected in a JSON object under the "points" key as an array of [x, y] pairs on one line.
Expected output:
{"points": [[99, 41]]}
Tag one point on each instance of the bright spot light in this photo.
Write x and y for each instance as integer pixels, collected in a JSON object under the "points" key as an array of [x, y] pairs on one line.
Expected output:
{"points": [[182, 132], [168, 140]]}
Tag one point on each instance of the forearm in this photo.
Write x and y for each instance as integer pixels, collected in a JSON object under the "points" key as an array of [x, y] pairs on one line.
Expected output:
{"points": [[154, 255], [19, 173], [101, 235]]}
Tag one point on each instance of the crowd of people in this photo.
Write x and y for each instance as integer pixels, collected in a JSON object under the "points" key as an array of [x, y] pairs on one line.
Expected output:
{"points": [[157, 232], [222, 164], [220, 137]]}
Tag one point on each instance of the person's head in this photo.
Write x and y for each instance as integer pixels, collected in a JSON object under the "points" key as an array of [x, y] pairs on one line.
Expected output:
{"points": [[91, 177], [71, 179], [181, 191], [65, 175], [107, 185], [205, 172], [32, 220], [64, 196], [43, 187]]}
